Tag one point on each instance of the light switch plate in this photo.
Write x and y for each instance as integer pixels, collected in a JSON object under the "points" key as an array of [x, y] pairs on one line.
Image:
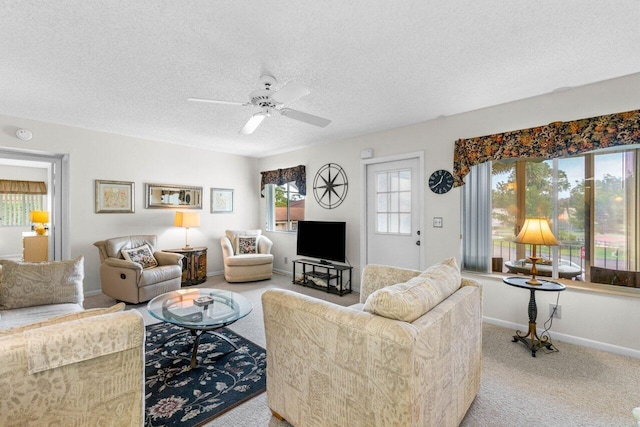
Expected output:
{"points": [[437, 222]]}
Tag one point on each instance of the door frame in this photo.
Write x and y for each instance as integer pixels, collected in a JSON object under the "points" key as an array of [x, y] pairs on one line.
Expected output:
{"points": [[58, 185], [365, 190]]}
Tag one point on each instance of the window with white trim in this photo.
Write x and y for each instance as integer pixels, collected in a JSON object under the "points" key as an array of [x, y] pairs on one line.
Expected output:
{"points": [[591, 201], [285, 207]]}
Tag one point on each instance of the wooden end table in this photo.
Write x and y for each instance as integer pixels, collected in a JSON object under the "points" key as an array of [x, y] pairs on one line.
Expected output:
{"points": [[531, 340]]}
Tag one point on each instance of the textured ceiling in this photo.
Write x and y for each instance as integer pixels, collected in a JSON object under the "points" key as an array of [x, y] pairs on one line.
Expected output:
{"points": [[127, 67]]}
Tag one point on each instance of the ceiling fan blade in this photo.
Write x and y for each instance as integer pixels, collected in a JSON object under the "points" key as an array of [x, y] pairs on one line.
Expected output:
{"points": [[305, 117], [217, 101], [253, 123], [290, 92]]}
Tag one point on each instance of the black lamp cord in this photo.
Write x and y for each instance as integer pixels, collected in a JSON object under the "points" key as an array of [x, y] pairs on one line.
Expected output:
{"points": [[550, 323]]}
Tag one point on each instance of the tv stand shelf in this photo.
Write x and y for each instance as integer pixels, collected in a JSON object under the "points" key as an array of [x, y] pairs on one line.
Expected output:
{"points": [[325, 277]]}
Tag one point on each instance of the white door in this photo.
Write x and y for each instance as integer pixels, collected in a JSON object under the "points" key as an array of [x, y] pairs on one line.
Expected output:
{"points": [[393, 213]]}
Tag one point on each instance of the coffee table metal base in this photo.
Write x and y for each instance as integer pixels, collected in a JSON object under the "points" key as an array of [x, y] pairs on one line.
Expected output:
{"points": [[197, 334]]}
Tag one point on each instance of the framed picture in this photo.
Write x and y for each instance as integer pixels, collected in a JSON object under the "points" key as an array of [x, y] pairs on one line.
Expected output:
{"points": [[221, 200], [114, 196]]}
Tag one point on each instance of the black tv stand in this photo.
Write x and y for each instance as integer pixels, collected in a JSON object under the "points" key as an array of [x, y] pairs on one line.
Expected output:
{"points": [[324, 276], [325, 262]]}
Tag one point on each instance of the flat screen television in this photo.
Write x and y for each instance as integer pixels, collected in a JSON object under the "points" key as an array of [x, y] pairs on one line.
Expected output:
{"points": [[323, 240]]}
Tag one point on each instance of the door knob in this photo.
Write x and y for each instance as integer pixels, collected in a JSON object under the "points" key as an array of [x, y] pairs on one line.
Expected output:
{"points": [[418, 242]]}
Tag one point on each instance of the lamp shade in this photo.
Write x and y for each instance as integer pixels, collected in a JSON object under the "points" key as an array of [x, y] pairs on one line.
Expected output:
{"points": [[536, 231], [187, 219], [40, 217]]}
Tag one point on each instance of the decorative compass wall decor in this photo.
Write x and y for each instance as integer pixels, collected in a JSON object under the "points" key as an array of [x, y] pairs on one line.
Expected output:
{"points": [[330, 186]]}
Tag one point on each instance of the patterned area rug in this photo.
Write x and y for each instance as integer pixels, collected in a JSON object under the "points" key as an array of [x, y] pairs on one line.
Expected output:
{"points": [[177, 395]]}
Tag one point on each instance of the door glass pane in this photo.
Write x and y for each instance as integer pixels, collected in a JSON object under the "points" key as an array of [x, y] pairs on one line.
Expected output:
{"points": [[393, 223], [405, 223], [382, 223], [381, 179], [383, 202], [393, 196]]}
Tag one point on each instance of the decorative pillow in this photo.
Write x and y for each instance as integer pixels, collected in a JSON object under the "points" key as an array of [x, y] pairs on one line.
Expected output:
{"points": [[27, 284], [247, 245], [65, 318], [232, 235], [410, 300], [141, 255]]}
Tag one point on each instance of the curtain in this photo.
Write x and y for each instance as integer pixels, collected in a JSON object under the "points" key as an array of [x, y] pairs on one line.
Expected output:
{"points": [[8, 186], [295, 174], [558, 139], [476, 220]]}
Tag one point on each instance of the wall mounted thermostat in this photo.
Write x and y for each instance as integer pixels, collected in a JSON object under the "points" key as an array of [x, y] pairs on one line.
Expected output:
{"points": [[24, 134]]}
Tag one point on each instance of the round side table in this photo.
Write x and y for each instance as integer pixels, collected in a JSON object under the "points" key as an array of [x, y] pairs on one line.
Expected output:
{"points": [[531, 340]]}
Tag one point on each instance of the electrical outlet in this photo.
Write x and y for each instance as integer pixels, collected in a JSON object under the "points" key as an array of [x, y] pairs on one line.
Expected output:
{"points": [[558, 313], [286, 260]]}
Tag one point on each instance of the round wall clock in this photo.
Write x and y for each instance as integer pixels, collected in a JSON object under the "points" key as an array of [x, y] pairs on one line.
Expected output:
{"points": [[441, 181], [330, 186]]}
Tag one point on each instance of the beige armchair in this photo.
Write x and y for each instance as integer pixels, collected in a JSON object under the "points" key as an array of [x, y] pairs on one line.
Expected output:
{"points": [[79, 369], [129, 281], [329, 365], [246, 255]]}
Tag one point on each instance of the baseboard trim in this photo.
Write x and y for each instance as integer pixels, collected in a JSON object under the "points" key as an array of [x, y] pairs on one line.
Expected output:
{"points": [[584, 342], [92, 293], [283, 272], [215, 273]]}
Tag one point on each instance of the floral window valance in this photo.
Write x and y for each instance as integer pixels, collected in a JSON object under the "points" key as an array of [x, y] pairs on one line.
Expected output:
{"points": [[295, 174], [558, 139], [8, 186]]}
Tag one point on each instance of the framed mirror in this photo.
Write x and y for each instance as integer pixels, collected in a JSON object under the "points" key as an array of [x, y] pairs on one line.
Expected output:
{"points": [[172, 196]]}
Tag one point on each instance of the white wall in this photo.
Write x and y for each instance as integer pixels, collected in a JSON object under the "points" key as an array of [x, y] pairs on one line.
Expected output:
{"points": [[588, 314], [96, 155]]}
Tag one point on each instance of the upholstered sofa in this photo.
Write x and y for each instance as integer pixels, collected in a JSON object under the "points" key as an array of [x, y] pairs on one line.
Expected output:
{"points": [[85, 367], [135, 281], [246, 255], [28, 296], [329, 365]]}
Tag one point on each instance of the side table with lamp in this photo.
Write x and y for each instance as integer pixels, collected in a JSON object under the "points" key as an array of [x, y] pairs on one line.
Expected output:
{"points": [[535, 231], [194, 263], [35, 245]]}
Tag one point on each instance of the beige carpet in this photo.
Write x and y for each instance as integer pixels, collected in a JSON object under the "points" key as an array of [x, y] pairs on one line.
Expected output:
{"points": [[575, 387]]}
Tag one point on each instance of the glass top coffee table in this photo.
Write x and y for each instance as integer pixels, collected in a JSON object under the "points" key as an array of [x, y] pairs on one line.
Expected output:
{"points": [[200, 310]]}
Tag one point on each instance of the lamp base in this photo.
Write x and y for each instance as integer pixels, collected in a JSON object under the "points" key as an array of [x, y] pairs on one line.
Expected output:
{"points": [[40, 231], [533, 281]]}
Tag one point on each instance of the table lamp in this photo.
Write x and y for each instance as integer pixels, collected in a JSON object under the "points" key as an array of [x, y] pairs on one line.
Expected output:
{"points": [[40, 218], [535, 231], [187, 220]]}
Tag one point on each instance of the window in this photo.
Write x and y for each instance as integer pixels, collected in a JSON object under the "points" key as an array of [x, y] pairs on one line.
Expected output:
{"points": [[393, 197], [285, 207], [15, 208], [591, 202]]}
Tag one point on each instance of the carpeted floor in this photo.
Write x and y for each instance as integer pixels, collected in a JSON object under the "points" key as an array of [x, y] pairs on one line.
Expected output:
{"points": [[577, 386]]}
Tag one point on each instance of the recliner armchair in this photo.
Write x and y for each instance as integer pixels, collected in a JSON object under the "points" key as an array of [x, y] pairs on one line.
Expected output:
{"points": [[246, 267], [128, 281]]}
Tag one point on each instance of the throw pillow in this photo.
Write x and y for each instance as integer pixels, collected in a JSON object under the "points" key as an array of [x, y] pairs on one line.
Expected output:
{"points": [[247, 245], [232, 235], [27, 284], [65, 318], [141, 255], [410, 300]]}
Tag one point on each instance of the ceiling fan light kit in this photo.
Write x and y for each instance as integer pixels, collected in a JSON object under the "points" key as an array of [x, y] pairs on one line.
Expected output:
{"points": [[269, 101]]}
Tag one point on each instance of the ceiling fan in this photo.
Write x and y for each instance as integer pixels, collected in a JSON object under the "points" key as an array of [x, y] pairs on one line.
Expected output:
{"points": [[271, 101]]}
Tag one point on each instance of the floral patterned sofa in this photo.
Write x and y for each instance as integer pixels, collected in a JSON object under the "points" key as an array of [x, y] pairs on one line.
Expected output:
{"points": [[408, 355], [61, 364]]}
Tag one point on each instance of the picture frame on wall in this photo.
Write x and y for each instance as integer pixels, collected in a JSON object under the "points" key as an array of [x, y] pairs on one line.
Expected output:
{"points": [[114, 196], [221, 200]]}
